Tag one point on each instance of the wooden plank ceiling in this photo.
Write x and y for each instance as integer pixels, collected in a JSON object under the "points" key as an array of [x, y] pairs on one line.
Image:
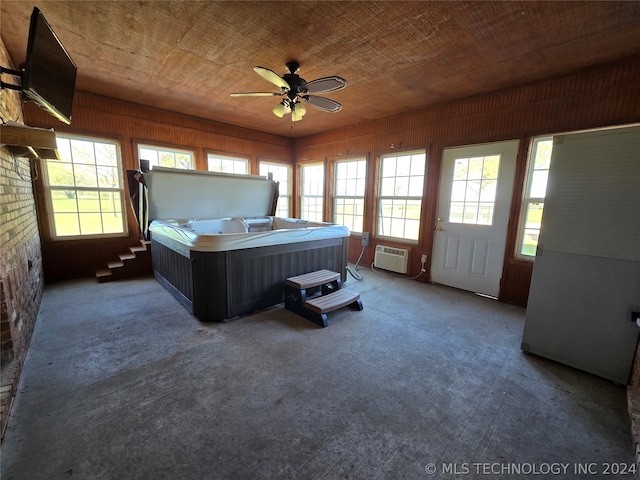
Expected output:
{"points": [[188, 56]]}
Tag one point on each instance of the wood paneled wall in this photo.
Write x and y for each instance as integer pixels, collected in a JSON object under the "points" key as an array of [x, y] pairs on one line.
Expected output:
{"points": [[599, 97], [593, 98], [131, 124]]}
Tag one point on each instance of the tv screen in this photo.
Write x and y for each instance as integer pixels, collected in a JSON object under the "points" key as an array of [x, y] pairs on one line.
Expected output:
{"points": [[49, 77]]}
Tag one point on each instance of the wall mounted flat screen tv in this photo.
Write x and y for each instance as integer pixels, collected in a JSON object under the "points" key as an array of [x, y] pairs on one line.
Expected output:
{"points": [[49, 77]]}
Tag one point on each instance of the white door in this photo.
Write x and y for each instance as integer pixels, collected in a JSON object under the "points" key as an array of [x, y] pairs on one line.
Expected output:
{"points": [[473, 210]]}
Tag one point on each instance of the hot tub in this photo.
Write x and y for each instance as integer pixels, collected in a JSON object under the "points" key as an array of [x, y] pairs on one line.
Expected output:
{"points": [[220, 267]]}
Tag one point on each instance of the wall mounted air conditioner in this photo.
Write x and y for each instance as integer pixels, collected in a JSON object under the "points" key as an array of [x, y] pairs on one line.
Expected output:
{"points": [[391, 258]]}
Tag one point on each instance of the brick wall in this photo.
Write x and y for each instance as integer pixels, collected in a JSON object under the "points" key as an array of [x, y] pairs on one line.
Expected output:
{"points": [[21, 278]]}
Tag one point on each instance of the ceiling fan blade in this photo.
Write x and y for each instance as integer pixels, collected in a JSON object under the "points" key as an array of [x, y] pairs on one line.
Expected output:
{"points": [[326, 84], [256, 94], [273, 77], [322, 103]]}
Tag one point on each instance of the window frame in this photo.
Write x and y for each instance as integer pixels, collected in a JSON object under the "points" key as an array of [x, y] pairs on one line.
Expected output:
{"points": [[337, 196], [289, 183], [167, 148], [527, 199], [302, 196], [229, 157], [120, 189], [380, 197]]}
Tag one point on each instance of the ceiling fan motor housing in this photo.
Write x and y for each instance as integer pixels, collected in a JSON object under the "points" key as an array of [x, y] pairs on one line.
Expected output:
{"points": [[293, 66], [298, 85]]}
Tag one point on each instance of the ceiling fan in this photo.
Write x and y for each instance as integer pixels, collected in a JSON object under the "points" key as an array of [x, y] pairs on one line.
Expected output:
{"points": [[296, 91]]}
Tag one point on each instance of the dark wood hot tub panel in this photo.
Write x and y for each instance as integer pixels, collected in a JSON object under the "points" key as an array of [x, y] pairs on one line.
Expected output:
{"points": [[256, 275], [223, 285], [210, 273], [173, 270]]}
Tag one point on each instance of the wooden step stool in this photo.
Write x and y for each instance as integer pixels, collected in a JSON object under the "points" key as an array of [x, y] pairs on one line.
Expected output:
{"points": [[299, 291]]}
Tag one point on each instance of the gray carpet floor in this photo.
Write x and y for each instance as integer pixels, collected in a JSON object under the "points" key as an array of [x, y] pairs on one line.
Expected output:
{"points": [[426, 382]]}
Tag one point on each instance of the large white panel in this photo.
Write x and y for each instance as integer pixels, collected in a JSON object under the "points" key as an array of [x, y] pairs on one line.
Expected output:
{"points": [[586, 277], [592, 205], [175, 194], [579, 313]]}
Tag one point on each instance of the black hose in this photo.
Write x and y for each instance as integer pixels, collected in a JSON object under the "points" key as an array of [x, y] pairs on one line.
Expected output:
{"points": [[355, 273]]}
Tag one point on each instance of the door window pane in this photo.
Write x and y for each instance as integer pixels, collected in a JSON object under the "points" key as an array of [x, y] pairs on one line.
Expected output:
{"points": [[473, 190]]}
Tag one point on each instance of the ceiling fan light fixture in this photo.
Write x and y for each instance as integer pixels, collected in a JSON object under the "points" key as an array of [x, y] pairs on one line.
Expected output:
{"points": [[300, 110], [296, 115], [280, 109]]}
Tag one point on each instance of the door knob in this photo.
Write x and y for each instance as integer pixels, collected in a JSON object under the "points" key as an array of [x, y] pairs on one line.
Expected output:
{"points": [[440, 219], [439, 229]]}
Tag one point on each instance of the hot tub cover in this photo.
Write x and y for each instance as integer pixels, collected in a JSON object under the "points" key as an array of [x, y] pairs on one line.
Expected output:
{"points": [[175, 193]]}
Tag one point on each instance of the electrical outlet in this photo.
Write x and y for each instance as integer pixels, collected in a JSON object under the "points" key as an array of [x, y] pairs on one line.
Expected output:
{"points": [[365, 239], [423, 260]]}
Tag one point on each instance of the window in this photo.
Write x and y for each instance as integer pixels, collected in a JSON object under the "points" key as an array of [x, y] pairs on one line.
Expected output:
{"points": [[166, 157], [219, 163], [348, 203], [311, 192], [535, 191], [473, 190], [400, 195], [84, 189], [281, 174]]}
